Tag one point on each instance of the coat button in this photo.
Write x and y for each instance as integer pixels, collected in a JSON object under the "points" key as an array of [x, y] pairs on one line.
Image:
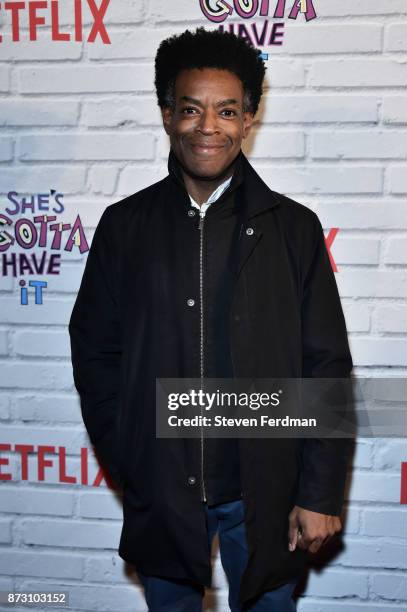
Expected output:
{"points": [[191, 213], [237, 317], [190, 302], [249, 231], [191, 480]]}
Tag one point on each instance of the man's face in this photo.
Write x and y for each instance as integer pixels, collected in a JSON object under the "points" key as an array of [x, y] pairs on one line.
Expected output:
{"points": [[208, 124]]}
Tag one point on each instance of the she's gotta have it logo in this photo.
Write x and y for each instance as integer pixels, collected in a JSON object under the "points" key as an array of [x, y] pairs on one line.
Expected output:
{"points": [[259, 35]]}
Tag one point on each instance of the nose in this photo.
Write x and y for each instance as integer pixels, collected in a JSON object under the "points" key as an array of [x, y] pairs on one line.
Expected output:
{"points": [[208, 122]]}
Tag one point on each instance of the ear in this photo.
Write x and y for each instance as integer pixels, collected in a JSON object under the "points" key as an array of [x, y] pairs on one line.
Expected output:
{"points": [[248, 119], [167, 115]]}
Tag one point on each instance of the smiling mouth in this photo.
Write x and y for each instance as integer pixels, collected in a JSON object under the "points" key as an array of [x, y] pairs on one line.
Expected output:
{"points": [[206, 149]]}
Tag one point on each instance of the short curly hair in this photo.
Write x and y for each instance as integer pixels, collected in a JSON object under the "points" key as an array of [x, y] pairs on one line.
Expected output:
{"points": [[209, 49]]}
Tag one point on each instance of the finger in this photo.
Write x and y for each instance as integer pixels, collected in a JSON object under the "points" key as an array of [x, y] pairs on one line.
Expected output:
{"points": [[292, 534], [303, 541], [315, 545], [292, 539], [330, 534]]}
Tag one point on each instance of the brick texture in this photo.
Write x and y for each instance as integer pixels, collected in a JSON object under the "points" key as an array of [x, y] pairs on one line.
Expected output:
{"points": [[82, 119]]}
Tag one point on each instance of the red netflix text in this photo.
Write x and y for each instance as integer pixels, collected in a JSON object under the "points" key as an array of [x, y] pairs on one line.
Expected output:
{"points": [[48, 458], [328, 243], [47, 13], [403, 488]]}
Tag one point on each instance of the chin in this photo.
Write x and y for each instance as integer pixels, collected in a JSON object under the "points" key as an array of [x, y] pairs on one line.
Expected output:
{"points": [[206, 168], [210, 175]]}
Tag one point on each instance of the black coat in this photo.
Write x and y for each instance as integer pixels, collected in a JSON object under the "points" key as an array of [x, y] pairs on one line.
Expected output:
{"points": [[131, 323]]}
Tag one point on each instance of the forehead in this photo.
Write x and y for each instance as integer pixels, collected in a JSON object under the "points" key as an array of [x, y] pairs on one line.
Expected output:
{"points": [[208, 83]]}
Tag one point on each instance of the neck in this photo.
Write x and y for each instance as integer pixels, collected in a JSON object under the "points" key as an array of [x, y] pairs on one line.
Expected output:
{"points": [[201, 189]]}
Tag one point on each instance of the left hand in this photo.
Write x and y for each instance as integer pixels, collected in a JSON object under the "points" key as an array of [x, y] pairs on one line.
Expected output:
{"points": [[309, 530]]}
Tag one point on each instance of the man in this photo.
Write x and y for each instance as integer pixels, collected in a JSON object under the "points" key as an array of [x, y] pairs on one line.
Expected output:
{"points": [[209, 273]]}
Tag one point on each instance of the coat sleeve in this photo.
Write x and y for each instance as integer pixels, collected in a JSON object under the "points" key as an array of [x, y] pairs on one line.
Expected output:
{"points": [[96, 352], [326, 354]]}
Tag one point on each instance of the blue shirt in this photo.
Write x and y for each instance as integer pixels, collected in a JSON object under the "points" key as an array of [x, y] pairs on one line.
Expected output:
{"points": [[212, 198]]}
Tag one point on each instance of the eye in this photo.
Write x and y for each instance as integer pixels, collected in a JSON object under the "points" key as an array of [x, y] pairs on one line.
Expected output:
{"points": [[187, 108], [229, 110]]}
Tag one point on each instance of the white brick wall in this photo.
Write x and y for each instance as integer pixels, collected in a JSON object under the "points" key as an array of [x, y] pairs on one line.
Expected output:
{"points": [[332, 133]]}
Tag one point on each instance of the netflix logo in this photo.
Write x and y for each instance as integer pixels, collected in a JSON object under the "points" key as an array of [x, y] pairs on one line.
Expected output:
{"points": [[328, 243], [49, 464], [46, 13], [403, 488], [44, 463]]}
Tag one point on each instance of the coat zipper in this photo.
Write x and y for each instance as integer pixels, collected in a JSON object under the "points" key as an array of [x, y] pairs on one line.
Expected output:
{"points": [[201, 226]]}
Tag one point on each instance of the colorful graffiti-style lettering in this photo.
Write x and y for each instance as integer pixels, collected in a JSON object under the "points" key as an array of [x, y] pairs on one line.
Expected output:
{"points": [[220, 10]]}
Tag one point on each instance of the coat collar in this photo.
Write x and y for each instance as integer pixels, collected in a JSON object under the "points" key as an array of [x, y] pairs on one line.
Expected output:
{"points": [[257, 196]]}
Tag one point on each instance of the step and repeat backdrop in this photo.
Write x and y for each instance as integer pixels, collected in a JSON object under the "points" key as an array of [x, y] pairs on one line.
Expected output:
{"points": [[81, 129]]}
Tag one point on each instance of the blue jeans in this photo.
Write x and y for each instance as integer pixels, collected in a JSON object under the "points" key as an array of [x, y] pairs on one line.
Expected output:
{"points": [[181, 596]]}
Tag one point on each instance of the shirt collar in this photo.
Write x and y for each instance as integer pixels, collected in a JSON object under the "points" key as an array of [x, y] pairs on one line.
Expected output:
{"points": [[213, 197]]}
